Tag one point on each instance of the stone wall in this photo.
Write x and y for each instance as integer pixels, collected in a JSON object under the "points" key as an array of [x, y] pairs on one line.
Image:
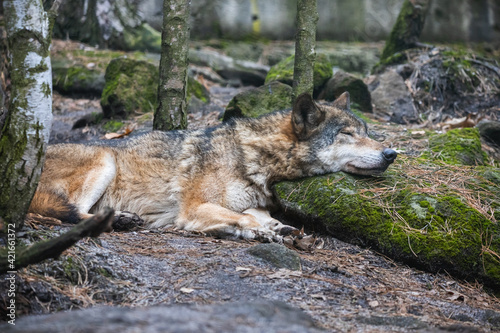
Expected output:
{"points": [[346, 20]]}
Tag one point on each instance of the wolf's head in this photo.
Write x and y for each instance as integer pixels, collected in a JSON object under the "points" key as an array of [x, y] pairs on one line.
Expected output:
{"points": [[338, 140]]}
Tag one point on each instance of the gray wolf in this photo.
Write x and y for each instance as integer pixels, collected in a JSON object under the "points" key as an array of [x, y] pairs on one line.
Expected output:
{"points": [[216, 181]]}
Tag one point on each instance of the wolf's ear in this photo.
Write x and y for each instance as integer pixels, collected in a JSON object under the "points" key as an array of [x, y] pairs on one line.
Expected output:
{"points": [[306, 116], [343, 102]]}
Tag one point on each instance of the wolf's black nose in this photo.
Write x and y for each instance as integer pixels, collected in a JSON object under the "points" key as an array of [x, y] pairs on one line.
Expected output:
{"points": [[389, 154]]}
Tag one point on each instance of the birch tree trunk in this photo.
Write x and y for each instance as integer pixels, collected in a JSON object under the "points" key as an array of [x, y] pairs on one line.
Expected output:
{"points": [[406, 31], [305, 45], [172, 112], [26, 128]]}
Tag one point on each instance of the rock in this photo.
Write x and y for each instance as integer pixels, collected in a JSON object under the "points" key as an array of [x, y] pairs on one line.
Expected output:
{"points": [[342, 82], [131, 87], [263, 316], [141, 38], [490, 130], [249, 73], [107, 24], [77, 81], [432, 227], [461, 146], [391, 98], [258, 101], [277, 255], [198, 90], [283, 71], [406, 322]]}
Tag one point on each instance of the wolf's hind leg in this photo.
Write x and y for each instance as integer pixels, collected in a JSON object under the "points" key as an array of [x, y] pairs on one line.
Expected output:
{"points": [[95, 183]]}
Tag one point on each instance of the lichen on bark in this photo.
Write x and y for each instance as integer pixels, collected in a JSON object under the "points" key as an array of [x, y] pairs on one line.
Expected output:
{"points": [[305, 44]]}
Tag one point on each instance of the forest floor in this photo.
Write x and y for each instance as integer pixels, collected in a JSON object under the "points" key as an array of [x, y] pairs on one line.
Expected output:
{"points": [[343, 287]]}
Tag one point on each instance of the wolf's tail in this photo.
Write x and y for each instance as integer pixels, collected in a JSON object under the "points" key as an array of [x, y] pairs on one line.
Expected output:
{"points": [[51, 204]]}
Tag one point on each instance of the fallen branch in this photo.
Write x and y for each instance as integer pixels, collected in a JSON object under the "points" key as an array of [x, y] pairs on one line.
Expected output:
{"points": [[52, 248]]}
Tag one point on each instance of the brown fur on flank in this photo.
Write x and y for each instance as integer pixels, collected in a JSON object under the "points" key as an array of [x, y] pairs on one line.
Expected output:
{"points": [[216, 180]]}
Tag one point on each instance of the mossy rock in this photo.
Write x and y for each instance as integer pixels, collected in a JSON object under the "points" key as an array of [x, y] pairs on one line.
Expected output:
{"points": [[80, 72], [131, 87], [490, 130], [258, 101], [283, 71], [342, 82], [404, 216], [198, 90], [141, 38], [78, 81], [457, 146]]}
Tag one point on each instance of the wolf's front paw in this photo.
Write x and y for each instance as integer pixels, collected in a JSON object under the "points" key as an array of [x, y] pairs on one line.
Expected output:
{"points": [[266, 236], [126, 221]]}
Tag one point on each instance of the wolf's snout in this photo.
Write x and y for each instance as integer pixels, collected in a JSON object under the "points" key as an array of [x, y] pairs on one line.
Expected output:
{"points": [[389, 155]]}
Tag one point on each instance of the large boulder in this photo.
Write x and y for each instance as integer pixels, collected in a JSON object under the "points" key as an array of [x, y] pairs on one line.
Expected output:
{"points": [[261, 316], [392, 99], [283, 71], [131, 87], [430, 212], [258, 101], [342, 82]]}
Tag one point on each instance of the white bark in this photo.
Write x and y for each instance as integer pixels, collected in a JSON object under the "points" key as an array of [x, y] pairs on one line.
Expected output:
{"points": [[29, 15]]}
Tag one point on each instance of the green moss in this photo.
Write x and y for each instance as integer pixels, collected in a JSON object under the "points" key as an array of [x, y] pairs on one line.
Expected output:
{"points": [[463, 76], [112, 126], [283, 71], [395, 59], [196, 89], [398, 39], [72, 270], [131, 87], [457, 146], [256, 102], [356, 109], [432, 230], [142, 38]]}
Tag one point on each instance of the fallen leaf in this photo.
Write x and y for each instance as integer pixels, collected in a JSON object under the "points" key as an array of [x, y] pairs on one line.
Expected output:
{"points": [[418, 133], [373, 304], [245, 269], [126, 132], [465, 122], [186, 290], [305, 243]]}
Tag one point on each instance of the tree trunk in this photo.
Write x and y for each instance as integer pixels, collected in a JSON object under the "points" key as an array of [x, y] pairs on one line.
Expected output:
{"points": [[305, 44], [26, 128], [407, 29], [4, 73], [171, 112]]}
